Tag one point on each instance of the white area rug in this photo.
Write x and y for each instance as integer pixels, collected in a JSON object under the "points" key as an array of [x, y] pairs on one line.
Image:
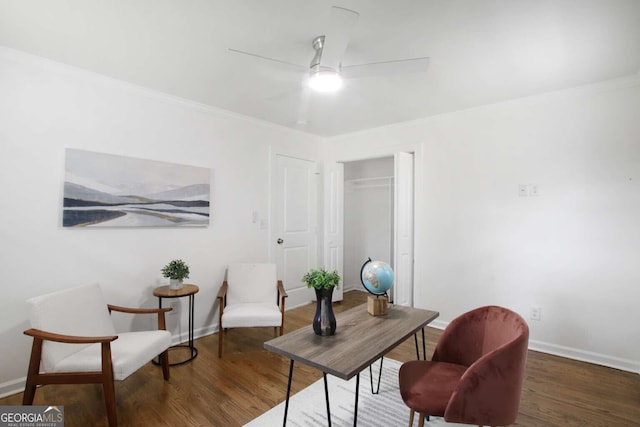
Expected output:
{"points": [[386, 409]]}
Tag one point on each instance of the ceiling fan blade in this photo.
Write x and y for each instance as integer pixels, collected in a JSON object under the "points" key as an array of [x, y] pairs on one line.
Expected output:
{"points": [[266, 58], [386, 68], [337, 36]]}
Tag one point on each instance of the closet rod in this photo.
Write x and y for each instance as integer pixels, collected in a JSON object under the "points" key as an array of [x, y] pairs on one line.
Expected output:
{"points": [[378, 178]]}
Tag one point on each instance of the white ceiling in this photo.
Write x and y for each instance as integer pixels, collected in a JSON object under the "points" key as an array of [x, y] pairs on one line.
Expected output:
{"points": [[482, 51]]}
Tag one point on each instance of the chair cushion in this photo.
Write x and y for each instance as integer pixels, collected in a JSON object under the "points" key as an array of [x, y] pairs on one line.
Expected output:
{"points": [[252, 314], [129, 352], [252, 283], [78, 311], [427, 386]]}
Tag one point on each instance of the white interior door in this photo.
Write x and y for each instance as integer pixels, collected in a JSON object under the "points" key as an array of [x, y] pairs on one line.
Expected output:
{"points": [[334, 222], [403, 229], [295, 196]]}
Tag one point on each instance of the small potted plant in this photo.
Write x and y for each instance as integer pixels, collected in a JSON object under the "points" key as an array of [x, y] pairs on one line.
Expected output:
{"points": [[176, 271], [323, 281]]}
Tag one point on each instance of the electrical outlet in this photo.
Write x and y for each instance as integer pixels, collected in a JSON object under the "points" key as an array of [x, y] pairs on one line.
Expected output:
{"points": [[536, 313], [533, 190]]}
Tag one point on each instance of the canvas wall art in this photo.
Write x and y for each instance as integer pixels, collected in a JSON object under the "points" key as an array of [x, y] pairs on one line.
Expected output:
{"points": [[105, 190]]}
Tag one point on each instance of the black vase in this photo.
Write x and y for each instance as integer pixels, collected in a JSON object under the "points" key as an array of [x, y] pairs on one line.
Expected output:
{"points": [[324, 322]]}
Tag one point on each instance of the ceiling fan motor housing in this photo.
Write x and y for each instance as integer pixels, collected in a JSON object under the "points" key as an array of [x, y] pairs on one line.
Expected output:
{"points": [[318, 45]]}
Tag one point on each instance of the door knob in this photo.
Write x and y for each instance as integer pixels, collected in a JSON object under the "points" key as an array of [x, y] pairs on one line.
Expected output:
{"points": [[280, 241]]}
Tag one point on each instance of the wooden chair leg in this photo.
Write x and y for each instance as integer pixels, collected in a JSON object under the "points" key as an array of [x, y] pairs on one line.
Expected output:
{"points": [[164, 361], [110, 402], [220, 337], [411, 414], [29, 393], [421, 421], [108, 386], [32, 375]]}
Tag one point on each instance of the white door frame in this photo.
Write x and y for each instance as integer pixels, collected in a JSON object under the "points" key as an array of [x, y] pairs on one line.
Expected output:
{"points": [[418, 202], [333, 215], [403, 257]]}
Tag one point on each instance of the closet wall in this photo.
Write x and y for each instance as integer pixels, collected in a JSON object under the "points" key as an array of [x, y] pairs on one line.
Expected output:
{"points": [[368, 216]]}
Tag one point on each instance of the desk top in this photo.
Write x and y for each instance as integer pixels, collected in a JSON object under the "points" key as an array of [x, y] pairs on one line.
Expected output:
{"points": [[360, 339], [165, 292]]}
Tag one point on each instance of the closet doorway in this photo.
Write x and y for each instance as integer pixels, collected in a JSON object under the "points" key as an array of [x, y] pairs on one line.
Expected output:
{"points": [[368, 216]]}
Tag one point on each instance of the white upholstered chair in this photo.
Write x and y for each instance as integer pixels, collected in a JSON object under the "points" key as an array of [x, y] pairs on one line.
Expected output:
{"points": [[252, 296], [75, 342]]}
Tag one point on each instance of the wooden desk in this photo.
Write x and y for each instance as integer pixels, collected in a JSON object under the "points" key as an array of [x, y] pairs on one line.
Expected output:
{"points": [[185, 291], [360, 340]]}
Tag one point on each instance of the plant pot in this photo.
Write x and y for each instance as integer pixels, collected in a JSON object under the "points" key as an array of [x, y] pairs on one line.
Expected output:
{"points": [[175, 284], [324, 321]]}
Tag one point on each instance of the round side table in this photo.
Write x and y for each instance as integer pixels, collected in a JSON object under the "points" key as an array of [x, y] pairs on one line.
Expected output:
{"points": [[186, 291]]}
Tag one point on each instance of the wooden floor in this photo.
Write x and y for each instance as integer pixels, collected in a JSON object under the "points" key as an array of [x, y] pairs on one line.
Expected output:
{"points": [[248, 381]]}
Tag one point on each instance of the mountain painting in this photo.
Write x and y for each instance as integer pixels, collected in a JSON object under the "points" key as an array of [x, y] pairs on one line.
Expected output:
{"points": [[105, 190]]}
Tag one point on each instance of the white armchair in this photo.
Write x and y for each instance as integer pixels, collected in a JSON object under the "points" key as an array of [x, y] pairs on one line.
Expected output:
{"points": [[75, 342], [250, 297]]}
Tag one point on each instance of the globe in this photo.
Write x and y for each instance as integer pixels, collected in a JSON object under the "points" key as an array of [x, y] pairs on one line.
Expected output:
{"points": [[376, 276]]}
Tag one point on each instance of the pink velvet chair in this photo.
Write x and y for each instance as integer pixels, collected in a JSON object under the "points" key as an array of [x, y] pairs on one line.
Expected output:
{"points": [[476, 373]]}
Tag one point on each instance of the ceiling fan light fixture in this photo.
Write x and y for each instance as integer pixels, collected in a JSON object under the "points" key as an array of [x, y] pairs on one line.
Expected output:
{"points": [[325, 81]]}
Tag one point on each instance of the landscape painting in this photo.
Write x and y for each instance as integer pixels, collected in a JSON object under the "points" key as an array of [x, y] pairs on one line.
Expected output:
{"points": [[105, 190]]}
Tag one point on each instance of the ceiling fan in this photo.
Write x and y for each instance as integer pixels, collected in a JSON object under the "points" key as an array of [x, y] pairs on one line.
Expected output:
{"points": [[325, 72]]}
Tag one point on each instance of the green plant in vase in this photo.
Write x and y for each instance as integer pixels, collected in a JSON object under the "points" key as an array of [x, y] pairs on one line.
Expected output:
{"points": [[176, 271], [324, 282]]}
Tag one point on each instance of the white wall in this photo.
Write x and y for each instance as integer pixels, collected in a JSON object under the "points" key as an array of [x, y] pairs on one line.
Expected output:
{"points": [[46, 107], [574, 250], [368, 216]]}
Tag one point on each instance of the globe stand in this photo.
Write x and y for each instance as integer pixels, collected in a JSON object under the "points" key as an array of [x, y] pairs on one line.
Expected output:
{"points": [[377, 305]]}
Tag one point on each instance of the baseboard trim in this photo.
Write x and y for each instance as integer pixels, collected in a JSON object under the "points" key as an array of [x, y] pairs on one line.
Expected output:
{"points": [[302, 304], [439, 324], [12, 387], [572, 353], [585, 356], [197, 333]]}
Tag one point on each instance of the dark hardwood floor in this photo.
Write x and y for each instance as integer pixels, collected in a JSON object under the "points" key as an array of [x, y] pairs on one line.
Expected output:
{"points": [[248, 380]]}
